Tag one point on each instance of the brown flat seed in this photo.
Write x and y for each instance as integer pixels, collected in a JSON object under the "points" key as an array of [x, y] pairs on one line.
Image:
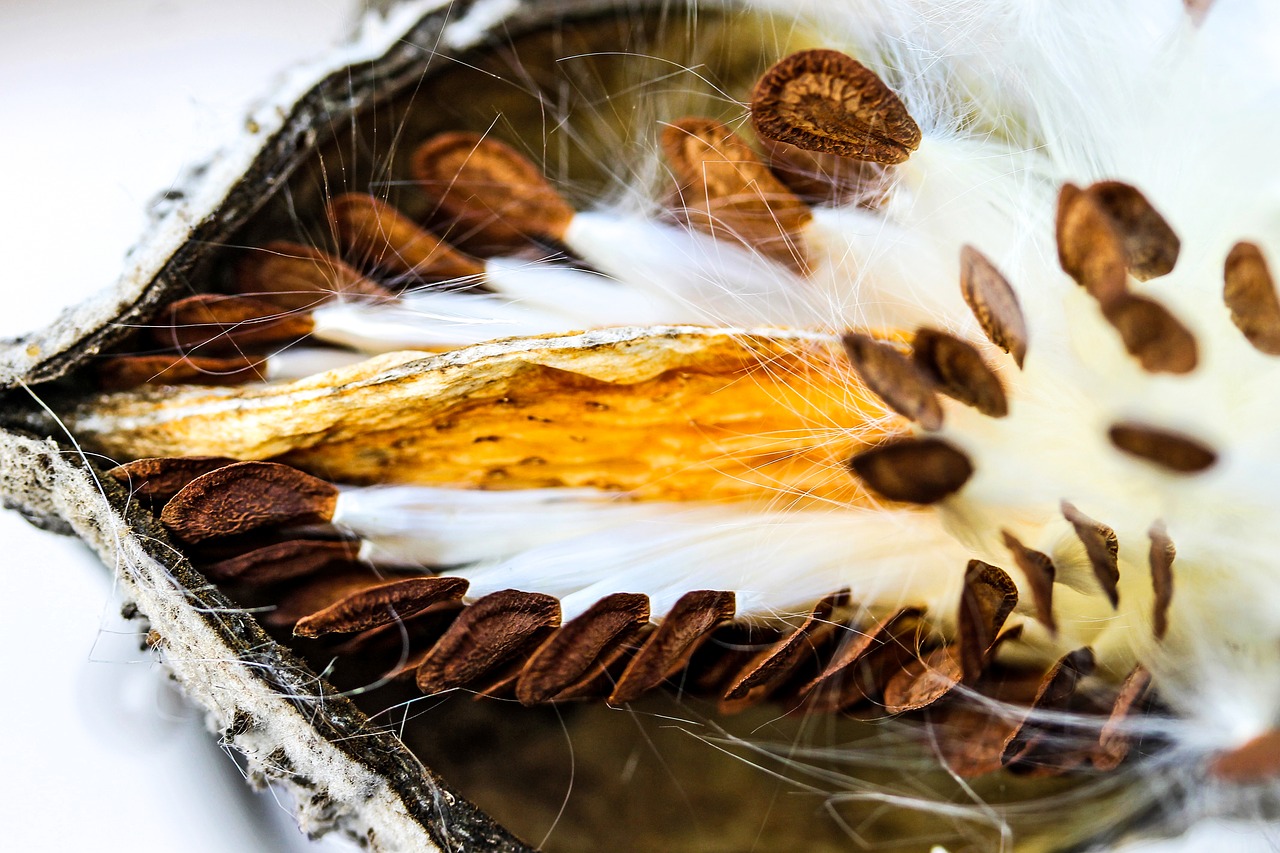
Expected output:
{"points": [[1256, 761], [1153, 335], [686, 626], [1040, 572], [1178, 453], [913, 470], [130, 371], [856, 643], [729, 192], [381, 605], [293, 558], [924, 681], [895, 378], [247, 496], [1034, 746], [821, 177], [488, 187], [1161, 558], [991, 299], [958, 370], [159, 478], [1250, 294], [295, 276], [373, 232], [1089, 248], [487, 634], [1150, 246], [217, 324], [988, 598], [775, 664], [823, 100], [1113, 743], [1101, 546], [570, 652]]}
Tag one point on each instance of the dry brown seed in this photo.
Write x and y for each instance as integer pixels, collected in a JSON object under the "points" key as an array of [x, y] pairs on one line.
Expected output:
{"points": [[1250, 294], [1036, 745], [373, 232], [1113, 743], [971, 734], [159, 478], [216, 324], [1089, 249], [1257, 761], [247, 496], [295, 276], [314, 594], [1040, 572], [487, 187], [686, 626], [924, 681], [569, 653], [1160, 342], [824, 178], [988, 598], [130, 371], [856, 643], [773, 665], [1150, 246], [959, 371], [1102, 548], [729, 193], [293, 558], [1161, 558], [895, 378], [823, 100], [487, 634], [913, 470], [991, 298], [383, 604], [1170, 450]]}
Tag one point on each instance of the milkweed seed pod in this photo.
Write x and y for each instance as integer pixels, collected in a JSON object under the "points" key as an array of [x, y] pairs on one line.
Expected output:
{"points": [[844, 425]]}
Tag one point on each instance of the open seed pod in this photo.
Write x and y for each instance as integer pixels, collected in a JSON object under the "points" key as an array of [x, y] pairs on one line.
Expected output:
{"points": [[657, 427]]}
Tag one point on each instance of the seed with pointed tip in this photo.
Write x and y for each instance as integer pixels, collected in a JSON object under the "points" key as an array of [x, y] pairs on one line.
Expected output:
{"points": [[247, 496], [686, 626], [957, 368], [923, 682], [1161, 343], [1250, 293], [293, 558], [776, 663], [988, 598], [1039, 571], [215, 324], [1033, 745], [823, 100], [991, 299], [159, 478], [1102, 548], [381, 605], [296, 276], [827, 690], [569, 653], [1109, 230], [486, 635], [130, 371], [895, 378], [1161, 558], [1170, 450], [729, 192], [913, 470], [487, 187], [1113, 742], [371, 231]]}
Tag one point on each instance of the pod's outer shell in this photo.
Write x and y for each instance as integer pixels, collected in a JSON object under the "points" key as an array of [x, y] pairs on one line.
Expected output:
{"points": [[344, 774]]}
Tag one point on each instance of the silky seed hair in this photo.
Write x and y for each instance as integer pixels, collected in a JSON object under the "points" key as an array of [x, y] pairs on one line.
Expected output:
{"points": [[982, 444]]}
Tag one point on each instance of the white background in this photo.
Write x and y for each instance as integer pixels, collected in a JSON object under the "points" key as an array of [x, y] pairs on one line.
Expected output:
{"points": [[102, 104]]}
